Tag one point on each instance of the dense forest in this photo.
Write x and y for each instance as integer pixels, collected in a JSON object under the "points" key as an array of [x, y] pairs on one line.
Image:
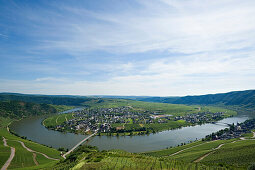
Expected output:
{"points": [[47, 99], [19, 109]]}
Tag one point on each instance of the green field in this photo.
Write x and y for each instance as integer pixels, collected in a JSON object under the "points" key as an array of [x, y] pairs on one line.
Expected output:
{"points": [[115, 159], [57, 119], [23, 158], [164, 108], [233, 153], [167, 152], [194, 153], [240, 154]]}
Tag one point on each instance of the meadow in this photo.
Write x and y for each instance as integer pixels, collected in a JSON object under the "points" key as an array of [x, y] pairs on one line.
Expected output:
{"points": [[23, 158]]}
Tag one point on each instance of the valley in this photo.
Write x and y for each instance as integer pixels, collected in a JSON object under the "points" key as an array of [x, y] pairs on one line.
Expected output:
{"points": [[162, 144]]}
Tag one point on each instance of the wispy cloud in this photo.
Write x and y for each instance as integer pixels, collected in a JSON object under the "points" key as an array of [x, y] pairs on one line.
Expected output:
{"points": [[168, 47]]}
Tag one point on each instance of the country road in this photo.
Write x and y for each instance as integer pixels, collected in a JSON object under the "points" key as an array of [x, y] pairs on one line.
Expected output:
{"points": [[30, 150], [204, 156], [188, 148], [8, 162]]}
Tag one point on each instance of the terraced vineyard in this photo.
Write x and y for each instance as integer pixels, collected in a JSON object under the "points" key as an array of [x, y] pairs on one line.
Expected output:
{"points": [[115, 159], [27, 155], [240, 154], [234, 153], [57, 119]]}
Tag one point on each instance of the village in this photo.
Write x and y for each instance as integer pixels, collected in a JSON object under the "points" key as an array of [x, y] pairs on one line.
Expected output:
{"points": [[116, 119], [234, 131]]}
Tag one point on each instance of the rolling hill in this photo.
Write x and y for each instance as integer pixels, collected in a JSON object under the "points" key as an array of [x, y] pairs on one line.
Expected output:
{"points": [[242, 98]]}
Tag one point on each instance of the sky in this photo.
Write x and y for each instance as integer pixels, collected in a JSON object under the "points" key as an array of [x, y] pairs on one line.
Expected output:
{"points": [[131, 47]]}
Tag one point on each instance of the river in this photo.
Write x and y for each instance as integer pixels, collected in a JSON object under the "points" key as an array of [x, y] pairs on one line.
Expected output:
{"points": [[35, 131]]}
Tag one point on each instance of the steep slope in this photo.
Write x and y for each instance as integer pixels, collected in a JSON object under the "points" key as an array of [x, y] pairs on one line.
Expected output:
{"points": [[19, 109], [47, 99]]}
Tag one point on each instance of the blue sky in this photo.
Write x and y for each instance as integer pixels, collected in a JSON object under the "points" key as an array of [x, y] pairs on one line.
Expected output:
{"points": [[112, 47]]}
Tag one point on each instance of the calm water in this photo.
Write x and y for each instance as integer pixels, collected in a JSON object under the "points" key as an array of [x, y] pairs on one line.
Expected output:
{"points": [[35, 131]]}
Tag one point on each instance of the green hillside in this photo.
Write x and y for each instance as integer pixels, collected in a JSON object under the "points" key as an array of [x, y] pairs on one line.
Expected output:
{"points": [[87, 157], [47, 99], [27, 154], [234, 153], [241, 98], [19, 109], [23, 158]]}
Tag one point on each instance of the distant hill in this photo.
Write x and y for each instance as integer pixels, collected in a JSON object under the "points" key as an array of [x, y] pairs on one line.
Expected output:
{"points": [[19, 109], [47, 99], [241, 98]]}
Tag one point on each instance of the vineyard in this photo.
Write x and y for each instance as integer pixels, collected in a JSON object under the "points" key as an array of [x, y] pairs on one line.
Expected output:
{"points": [[90, 158]]}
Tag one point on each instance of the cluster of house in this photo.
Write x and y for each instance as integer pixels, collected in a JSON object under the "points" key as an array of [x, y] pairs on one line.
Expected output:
{"points": [[201, 117], [88, 119], [235, 131]]}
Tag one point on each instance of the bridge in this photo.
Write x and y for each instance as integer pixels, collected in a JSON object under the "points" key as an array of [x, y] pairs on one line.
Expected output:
{"points": [[222, 124], [78, 144]]}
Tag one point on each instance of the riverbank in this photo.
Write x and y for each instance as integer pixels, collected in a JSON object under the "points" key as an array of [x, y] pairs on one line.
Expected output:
{"points": [[35, 131], [17, 152], [127, 121]]}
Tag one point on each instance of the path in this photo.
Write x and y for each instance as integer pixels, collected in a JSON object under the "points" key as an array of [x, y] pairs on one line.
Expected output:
{"points": [[30, 150], [8, 162], [81, 142], [66, 119], [188, 148], [57, 120], [204, 156], [34, 159], [253, 134]]}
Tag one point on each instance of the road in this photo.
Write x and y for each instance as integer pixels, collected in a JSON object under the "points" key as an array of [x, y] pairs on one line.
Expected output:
{"points": [[30, 150], [77, 145], [188, 148], [8, 162], [202, 157]]}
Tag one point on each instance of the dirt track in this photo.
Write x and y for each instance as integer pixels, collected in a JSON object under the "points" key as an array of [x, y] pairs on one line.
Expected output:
{"points": [[8, 162]]}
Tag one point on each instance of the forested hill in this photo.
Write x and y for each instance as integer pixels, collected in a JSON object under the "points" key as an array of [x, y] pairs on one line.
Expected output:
{"points": [[241, 98], [19, 109], [47, 99]]}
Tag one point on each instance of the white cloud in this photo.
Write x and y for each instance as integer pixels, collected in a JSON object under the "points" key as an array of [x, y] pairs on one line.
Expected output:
{"points": [[214, 41], [182, 26]]}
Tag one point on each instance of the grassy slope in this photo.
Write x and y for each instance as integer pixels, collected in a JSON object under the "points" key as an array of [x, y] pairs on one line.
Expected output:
{"points": [[23, 158], [4, 153], [115, 159], [166, 152], [192, 154], [240, 153], [57, 119]]}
